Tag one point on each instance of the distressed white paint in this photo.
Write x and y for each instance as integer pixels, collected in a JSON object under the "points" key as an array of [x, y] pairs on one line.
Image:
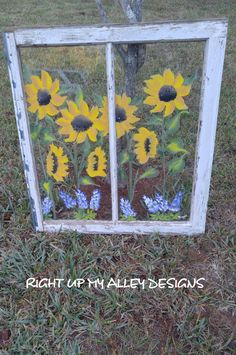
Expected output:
{"points": [[168, 31], [121, 227], [112, 129], [213, 32], [210, 95], [23, 129]]}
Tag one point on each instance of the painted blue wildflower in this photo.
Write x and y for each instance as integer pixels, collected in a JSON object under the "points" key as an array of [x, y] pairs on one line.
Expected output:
{"points": [[152, 205], [176, 203], [95, 200], [68, 200], [126, 208], [162, 203], [81, 199], [46, 205]]}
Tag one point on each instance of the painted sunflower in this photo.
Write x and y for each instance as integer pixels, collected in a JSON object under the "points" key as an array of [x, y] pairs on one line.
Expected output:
{"points": [[124, 113], [166, 92], [42, 95], [146, 146], [97, 163], [56, 163], [78, 122]]}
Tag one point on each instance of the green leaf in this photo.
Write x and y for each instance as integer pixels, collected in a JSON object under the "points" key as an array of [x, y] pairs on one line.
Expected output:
{"points": [[47, 136], [50, 120], [98, 99], [149, 173], [176, 147], [155, 120], [190, 79], [26, 73], [79, 96], [124, 157], [176, 166], [137, 100], [35, 131], [85, 214], [65, 89], [86, 180], [86, 147], [173, 124], [47, 186]]}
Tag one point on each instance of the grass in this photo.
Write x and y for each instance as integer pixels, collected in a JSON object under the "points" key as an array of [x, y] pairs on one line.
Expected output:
{"points": [[123, 321]]}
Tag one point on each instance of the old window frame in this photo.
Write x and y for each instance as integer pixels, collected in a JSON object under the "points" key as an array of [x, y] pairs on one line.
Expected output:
{"points": [[212, 32]]}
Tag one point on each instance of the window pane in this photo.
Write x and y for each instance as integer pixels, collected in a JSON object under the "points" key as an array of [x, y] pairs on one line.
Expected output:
{"points": [[64, 91], [157, 108]]}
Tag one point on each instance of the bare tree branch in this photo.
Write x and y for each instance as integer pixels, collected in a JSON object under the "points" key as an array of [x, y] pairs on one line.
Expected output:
{"points": [[102, 11], [134, 57], [132, 10]]}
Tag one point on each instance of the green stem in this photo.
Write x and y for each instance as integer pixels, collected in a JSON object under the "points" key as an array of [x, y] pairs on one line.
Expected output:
{"points": [[42, 161], [75, 163], [130, 182], [163, 136], [53, 200]]}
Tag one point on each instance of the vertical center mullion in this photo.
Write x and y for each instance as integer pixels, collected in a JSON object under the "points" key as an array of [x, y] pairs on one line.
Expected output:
{"points": [[112, 129]]}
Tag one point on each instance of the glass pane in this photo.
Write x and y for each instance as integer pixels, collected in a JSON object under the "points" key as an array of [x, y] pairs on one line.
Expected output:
{"points": [[64, 89], [157, 108]]}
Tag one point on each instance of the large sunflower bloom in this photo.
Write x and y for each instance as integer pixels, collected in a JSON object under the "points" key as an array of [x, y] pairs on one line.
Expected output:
{"points": [[56, 163], [124, 113], [146, 146], [78, 122], [42, 95], [166, 92], [97, 163]]}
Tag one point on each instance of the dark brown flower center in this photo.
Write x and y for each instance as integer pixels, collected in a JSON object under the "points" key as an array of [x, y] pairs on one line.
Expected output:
{"points": [[55, 163], [43, 97], [120, 114], [81, 123], [147, 145], [167, 93], [95, 163]]}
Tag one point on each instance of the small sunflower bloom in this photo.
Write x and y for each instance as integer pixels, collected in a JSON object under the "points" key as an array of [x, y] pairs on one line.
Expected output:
{"points": [[124, 115], [166, 92], [97, 162], [78, 122], [42, 95], [57, 163], [146, 145]]}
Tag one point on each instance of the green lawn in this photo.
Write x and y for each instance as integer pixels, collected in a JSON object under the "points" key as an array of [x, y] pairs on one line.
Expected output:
{"points": [[88, 321]]}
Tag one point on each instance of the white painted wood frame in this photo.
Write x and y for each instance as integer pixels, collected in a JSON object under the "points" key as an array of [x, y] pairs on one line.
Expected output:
{"points": [[212, 32]]}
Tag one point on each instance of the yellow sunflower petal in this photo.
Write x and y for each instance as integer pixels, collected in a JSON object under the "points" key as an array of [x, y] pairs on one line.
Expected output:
{"points": [[151, 100], [55, 87], [180, 104], [73, 108], [81, 137], [159, 107], [169, 77], [184, 90], [58, 100], [83, 107], [46, 79], [36, 82], [33, 108], [42, 112], [170, 106], [72, 137], [31, 90], [51, 110], [179, 80], [92, 134]]}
